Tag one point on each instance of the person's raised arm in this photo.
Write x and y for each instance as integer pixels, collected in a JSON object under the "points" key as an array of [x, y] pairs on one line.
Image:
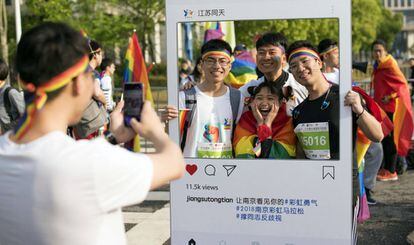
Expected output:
{"points": [[366, 122], [168, 160]]}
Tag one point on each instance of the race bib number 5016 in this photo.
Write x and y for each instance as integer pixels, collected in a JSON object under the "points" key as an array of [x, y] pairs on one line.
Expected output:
{"points": [[314, 139]]}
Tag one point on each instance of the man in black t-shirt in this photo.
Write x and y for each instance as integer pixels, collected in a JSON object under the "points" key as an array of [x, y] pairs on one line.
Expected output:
{"points": [[316, 119]]}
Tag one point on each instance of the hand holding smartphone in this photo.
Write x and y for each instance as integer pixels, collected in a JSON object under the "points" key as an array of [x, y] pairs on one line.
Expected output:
{"points": [[134, 99]]}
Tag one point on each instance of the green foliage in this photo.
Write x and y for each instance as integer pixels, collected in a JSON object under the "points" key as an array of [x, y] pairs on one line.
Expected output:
{"points": [[313, 30], [45, 10], [111, 22], [366, 15], [390, 25], [369, 20]]}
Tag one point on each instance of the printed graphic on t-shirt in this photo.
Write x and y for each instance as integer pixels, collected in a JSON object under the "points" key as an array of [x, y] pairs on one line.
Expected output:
{"points": [[211, 133], [227, 124], [314, 139], [214, 143]]}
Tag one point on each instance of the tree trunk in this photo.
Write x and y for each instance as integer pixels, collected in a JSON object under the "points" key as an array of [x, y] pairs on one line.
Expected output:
{"points": [[3, 31]]}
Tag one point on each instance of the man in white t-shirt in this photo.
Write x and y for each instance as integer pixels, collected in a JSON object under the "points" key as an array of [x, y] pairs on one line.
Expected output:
{"points": [[53, 189], [210, 109], [329, 54], [271, 59], [108, 69]]}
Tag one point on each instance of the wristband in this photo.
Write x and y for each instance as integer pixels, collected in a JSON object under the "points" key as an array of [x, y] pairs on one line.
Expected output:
{"points": [[263, 132]]}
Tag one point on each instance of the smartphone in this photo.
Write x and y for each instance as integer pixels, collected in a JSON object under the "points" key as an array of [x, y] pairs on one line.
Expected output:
{"points": [[134, 100]]}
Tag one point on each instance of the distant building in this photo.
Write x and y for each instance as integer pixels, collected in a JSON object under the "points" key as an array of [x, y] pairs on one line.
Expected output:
{"points": [[404, 42]]}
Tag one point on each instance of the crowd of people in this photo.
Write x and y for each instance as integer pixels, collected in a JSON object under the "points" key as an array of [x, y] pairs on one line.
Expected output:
{"points": [[290, 111]]}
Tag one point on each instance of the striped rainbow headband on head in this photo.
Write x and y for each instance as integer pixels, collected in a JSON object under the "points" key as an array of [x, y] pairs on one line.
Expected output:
{"points": [[224, 53], [39, 97], [329, 49], [303, 51]]}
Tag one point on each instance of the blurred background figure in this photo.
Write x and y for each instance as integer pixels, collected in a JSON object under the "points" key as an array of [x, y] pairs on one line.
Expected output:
{"points": [[329, 53], [107, 83], [184, 74], [392, 95], [11, 101]]}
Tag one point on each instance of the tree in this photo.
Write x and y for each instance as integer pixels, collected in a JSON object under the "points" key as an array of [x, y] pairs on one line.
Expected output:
{"points": [[3, 31], [389, 26], [147, 13], [366, 14], [313, 30], [370, 19]]}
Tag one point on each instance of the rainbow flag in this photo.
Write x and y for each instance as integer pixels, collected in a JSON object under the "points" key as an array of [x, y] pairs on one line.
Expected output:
{"points": [[243, 70], [135, 68], [388, 79], [283, 136], [183, 114], [136, 71], [361, 146]]}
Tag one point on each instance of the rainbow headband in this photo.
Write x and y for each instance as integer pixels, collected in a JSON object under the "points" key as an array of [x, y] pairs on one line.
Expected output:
{"points": [[303, 51], [216, 52], [40, 94], [330, 49]]}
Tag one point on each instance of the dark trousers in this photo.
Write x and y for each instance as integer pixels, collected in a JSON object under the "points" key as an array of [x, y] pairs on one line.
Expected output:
{"points": [[390, 150]]}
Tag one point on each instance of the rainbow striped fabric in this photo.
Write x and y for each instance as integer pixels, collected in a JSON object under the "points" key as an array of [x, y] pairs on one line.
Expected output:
{"points": [[220, 30], [38, 95], [284, 139], [136, 71], [135, 68], [361, 147], [388, 80], [243, 70]]}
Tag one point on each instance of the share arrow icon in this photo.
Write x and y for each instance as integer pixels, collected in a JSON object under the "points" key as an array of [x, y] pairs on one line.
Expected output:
{"points": [[229, 169]]}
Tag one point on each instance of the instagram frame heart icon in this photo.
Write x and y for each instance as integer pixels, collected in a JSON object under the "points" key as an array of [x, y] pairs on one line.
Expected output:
{"points": [[191, 168]]}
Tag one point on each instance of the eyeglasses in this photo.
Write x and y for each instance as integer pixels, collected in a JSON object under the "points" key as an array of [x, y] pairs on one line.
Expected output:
{"points": [[212, 62]]}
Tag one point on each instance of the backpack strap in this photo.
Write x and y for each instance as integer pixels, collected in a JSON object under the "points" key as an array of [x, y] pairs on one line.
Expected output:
{"points": [[190, 104], [235, 96], [234, 102]]}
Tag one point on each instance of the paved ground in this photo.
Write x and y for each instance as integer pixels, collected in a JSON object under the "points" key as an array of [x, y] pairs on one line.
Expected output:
{"points": [[392, 219]]}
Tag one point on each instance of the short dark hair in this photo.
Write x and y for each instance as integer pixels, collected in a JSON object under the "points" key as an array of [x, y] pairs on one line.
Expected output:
{"points": [[379, 42], [93, 47], [273, 88], [4, 70], [105, 63], [214, 45], [272, 38], [300, 44], [326, 44], [47, 50]]}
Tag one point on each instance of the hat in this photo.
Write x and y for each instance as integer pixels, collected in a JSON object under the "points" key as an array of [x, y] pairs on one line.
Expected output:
{"points": [[240, 47]]}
